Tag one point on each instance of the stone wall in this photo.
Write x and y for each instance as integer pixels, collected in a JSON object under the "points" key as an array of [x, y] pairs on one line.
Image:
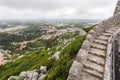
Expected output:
{"points": [[75, 70], [117, 56], [117, 9]]}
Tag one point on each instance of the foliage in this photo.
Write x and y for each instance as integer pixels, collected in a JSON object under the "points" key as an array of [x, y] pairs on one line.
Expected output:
{"points": [[28, 62], [61, 67], [57, 69], [6, 39], [89, 28]]}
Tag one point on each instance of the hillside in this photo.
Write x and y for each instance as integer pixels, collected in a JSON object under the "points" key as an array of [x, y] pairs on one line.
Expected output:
{"points": [[31, 52]]}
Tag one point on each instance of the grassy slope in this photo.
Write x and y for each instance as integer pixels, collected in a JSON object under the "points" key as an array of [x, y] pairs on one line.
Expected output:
{"points": [[58, 70], [61, 68], [29, 62]]}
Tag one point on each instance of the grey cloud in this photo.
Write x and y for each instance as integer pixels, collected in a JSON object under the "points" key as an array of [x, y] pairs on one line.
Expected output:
{"points": [[82, 7], [54, 4], [33, 4]]}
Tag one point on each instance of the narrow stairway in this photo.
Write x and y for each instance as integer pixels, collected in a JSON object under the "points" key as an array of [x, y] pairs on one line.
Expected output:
{"points": [[94, 66]]}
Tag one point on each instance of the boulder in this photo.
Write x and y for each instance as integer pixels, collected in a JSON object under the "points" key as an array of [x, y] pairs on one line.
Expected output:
{"points": [[43, 69], [29, 75]]}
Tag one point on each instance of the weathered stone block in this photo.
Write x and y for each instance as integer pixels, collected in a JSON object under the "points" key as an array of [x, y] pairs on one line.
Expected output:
{"points": [[86, 45], [74, 73], [43, 69], [82, 56], [93, 33], [32, 75], [89, 38]]}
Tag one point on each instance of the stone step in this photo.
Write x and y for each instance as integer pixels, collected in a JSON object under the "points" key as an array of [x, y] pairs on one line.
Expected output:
{"points": [[98, 52], [101, 42], [106, 34], [96, 59], [98, 46], [103, 38], [94, 66], [109, 31], [113, 29], [93, 73]]}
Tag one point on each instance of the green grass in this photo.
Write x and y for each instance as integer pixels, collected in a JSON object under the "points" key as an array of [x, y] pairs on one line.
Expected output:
{"points": [[28, 62], [57, 69], [89, 28], [60, 68]]}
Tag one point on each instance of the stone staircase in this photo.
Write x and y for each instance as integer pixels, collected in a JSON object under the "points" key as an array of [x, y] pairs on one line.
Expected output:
{"points": [[93, 68], [94, 59]]}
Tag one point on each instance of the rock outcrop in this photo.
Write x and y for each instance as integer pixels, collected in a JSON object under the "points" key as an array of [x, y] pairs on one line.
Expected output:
{"points": [[31, 75]]}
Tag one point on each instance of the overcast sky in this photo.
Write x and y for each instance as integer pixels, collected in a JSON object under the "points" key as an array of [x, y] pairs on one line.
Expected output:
{"points": [[56, 9]]}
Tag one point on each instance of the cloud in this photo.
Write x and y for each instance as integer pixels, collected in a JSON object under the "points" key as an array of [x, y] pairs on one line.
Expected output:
{"points": [[56, 8]]}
